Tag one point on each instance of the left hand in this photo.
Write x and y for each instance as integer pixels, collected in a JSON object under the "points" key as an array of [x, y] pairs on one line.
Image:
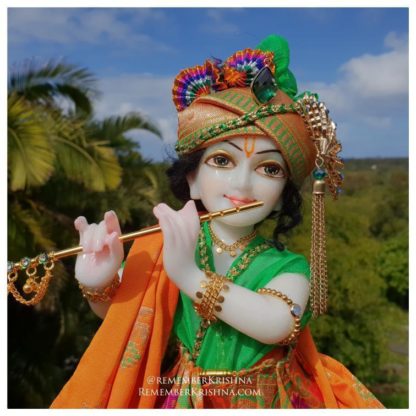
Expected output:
{"points": [[180, 236]]}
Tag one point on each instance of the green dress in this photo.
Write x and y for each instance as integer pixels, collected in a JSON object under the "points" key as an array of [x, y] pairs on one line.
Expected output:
{"points": [[224, 347]]}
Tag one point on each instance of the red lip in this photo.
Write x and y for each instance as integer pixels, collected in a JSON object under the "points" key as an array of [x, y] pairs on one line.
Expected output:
{"points": [[239, 201]]}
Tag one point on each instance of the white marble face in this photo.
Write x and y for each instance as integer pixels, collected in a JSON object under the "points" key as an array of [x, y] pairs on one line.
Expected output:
{"points": [[239, 171]]}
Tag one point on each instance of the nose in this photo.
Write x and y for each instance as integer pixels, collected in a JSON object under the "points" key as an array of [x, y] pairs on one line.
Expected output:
{"points": [[242, 179]]}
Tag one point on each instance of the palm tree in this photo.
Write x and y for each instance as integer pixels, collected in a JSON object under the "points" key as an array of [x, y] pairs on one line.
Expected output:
{"points": [[53, 82], [52, 136], [42, 136], [62, 161]]}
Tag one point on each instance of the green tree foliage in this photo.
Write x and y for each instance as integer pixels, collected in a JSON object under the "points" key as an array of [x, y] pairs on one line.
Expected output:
{"points": [[390, 225], [63, 163], [45, 141], [367, 230], [393, 267]]}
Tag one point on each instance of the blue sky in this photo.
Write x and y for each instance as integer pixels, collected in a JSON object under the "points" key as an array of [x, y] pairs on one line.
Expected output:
{"points": [[356, 59]]}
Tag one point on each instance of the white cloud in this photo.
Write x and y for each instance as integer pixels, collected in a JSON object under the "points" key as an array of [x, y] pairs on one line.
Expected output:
{"points": [[369, 101], [379, 76], [370, 84], [394, 41], [92, 26]]}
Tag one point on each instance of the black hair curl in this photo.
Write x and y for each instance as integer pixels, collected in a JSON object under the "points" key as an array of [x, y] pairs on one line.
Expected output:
{"points": [[287, 217]]}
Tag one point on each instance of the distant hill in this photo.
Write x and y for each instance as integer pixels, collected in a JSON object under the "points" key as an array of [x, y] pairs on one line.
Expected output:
{"points": [[376, 163]]}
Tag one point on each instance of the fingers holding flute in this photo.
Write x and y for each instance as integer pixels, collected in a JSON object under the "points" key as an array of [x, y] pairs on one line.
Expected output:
{"points": [[102, 250], [180, 234]]}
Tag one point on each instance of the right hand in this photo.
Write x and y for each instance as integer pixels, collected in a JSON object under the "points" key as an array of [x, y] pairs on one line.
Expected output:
{"points": [[102, 252]]}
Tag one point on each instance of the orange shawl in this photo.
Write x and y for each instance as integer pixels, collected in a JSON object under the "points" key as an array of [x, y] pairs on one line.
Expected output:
{"points": [[139, 320], [127, 351]]}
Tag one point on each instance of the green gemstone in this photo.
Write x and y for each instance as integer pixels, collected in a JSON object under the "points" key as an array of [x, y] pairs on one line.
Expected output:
{"points": [[319, 174], [265, 95]]}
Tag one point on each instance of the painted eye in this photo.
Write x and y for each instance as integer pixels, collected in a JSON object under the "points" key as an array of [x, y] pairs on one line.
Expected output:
{"points": [[272, 170], [220, 161]]}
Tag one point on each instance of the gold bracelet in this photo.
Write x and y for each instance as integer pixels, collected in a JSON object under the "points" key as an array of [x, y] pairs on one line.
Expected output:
{"points": [[211, 296], [295, 311], [100, 295]]}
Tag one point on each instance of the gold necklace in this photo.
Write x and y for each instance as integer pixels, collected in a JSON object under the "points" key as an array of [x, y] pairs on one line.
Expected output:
{"points": [[230, 248]]}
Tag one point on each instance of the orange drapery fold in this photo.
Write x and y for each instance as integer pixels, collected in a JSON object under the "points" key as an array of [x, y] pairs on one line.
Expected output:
{"points": [[139, 320]]}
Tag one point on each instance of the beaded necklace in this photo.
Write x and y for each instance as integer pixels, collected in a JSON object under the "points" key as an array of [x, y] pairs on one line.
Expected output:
{"points": [[241, 243]]}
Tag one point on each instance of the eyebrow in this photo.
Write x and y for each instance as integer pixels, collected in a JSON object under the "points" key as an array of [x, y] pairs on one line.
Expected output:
{"points": [[267, 151], [257, 153]]}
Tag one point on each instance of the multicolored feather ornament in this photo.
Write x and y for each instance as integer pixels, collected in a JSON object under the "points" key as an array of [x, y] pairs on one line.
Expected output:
{"points": [[192, 83], [238, 70], [241, 67]]}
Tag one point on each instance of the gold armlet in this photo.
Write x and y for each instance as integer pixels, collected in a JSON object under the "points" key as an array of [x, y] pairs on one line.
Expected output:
{"points": [[211, 298], [295, 311], [100, 295]]}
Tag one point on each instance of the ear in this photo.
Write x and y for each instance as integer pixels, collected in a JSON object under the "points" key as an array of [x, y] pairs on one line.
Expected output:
{"points": [[193, 185], [279, 205]]}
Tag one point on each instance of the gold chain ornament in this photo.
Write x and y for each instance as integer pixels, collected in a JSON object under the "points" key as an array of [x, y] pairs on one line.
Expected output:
{"points": [[231, 249], [103, 294], [34, 286], [295, 311], [211, 298], [319, 273]]}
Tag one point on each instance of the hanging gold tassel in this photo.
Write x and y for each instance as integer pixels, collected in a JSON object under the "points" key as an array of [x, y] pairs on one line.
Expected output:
{"points": [[319, 274], [323, 133]]}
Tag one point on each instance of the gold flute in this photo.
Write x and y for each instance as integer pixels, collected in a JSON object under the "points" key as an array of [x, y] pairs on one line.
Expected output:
{"points": [[35, 286]]}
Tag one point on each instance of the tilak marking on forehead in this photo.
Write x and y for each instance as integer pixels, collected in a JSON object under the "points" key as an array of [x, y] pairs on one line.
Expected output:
{"points": [[249, 150]]}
